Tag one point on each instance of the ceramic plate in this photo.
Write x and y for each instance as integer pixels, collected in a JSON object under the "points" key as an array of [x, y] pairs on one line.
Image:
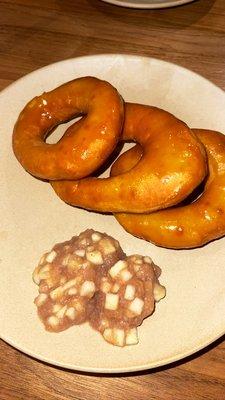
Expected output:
{"points": [[148, 4], [33, 219]]}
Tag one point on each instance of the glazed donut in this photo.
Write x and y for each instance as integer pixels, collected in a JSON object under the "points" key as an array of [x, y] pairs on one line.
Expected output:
{"points": [[173, 164], [85, 145], [186, 226]]}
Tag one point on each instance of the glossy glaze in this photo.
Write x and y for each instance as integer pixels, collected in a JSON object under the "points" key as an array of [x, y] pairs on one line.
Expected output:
{"points": [[85, 145], [186, 226], [173, 164]]}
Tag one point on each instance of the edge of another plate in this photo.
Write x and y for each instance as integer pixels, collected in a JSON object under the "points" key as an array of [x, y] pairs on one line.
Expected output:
{"points": [[140, 5]]}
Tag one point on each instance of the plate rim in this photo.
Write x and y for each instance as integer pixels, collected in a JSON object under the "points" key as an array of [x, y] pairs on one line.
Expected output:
{"points": [[172, 3], [115, 370], [110, 55]]}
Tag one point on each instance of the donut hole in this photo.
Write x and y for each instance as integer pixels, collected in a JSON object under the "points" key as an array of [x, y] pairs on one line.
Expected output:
{"points": [[58, 132], [195, 195], [104, 170]]}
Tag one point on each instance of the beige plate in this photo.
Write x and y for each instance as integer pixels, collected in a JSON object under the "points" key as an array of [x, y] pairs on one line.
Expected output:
{"points": [[148, 4], [33, 219]]}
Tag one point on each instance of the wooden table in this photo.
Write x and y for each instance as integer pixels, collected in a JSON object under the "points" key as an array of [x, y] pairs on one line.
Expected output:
{"points": [[39, 32]]}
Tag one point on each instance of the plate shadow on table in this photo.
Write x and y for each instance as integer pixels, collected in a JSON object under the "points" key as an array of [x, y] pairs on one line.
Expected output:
{"points": [[173, 18]]}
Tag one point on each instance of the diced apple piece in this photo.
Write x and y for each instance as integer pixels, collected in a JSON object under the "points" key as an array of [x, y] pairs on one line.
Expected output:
{"points": [[111, 301], [129, 292], [136, 306], [56, 293], [53, 321], [116, 268], [125, 275], [71, 313], [94, 257], [95, 237], [159, 292], [51, 256], [132, 337], [87, 288]]}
